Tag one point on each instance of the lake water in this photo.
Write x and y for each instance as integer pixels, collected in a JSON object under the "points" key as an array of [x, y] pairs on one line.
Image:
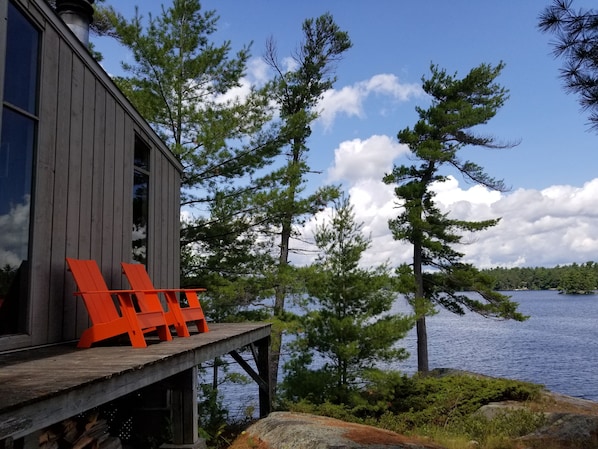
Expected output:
{"points": [[556, 347]]}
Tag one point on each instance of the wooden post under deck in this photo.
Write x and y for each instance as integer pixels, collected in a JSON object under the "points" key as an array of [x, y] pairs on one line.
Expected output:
{"points": [[183, 410], [263, 366]]}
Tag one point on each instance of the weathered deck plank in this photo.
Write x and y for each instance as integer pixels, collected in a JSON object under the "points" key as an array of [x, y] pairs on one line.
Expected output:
{"points": [[42, 386]]}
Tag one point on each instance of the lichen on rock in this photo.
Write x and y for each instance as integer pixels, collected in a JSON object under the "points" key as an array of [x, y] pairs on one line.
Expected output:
{"points": [[288, 430]]}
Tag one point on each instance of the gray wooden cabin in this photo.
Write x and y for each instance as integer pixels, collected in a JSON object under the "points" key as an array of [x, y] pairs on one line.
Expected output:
{"points": [[73, 148], [82, 175]]}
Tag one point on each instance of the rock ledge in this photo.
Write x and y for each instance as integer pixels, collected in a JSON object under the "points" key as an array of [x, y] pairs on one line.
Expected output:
{"points": [[288, 430], [570, 423]]}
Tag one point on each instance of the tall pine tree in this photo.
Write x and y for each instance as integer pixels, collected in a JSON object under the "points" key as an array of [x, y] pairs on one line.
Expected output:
{"points": [[297, 93], [576, 42], [438, 276]]}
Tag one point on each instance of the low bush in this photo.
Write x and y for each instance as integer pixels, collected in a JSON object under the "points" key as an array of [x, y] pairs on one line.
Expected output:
{"points": [[499, 432], [442, 408], [440, 400]]}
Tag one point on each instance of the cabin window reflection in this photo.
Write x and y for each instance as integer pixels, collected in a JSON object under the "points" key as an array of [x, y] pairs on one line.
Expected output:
{"points": [[17, 145], [141, 175]]}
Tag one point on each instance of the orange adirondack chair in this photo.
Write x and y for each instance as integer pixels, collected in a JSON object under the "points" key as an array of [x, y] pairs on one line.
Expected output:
{"points": [[106, 321], [147, 297]]}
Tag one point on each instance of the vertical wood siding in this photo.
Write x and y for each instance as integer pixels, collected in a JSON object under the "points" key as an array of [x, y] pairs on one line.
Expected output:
{"points": [[83, 184], [163, 235]]}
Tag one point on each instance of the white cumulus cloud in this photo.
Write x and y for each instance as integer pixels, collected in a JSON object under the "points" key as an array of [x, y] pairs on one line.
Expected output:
{"points": [[349, 100], [357, 159], [557, 225], [257, 74]]}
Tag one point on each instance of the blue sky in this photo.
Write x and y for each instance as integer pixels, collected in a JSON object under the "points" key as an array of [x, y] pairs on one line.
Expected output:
{"points": [[548, 216]]}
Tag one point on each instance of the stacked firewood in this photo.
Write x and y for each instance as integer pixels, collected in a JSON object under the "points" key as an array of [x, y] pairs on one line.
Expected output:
{"points": [[88, 432]]}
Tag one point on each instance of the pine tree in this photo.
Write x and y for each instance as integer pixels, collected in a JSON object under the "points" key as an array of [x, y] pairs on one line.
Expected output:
{"points": [[437, 274], [177, 79], [349, 327], [576, 41], [283, 200]]}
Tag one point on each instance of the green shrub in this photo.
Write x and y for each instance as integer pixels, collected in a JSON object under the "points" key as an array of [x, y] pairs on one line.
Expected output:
{"points": [[507, 424], [329, 409], [441, 399], [442, 408]]}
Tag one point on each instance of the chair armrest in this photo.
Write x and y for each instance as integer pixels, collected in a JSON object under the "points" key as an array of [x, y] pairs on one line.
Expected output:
{"points": [[103, 292], [166, 290]]}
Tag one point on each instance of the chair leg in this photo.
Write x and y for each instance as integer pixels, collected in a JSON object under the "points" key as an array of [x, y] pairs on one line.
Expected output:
{"points": [[202, 326], [137, 338], [164, 333], [86, 339], [128, 310], [178, 318], [181, 330]]}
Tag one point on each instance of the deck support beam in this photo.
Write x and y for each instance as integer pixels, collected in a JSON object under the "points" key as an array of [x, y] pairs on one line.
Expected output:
{"points": [[263, 366], [261, 356]]}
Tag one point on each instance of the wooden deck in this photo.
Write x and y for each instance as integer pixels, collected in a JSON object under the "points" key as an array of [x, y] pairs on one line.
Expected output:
{"points": [[43, 386]]}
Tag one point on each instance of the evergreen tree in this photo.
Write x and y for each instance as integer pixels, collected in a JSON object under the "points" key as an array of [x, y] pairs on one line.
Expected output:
{"points": [[348, 327], [177, 80], [437, 274], [576, 33], [578, 279], [283, 200]]}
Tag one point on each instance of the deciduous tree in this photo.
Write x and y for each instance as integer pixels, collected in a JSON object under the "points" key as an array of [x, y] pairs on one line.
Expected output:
{"points": [[438, 274]]}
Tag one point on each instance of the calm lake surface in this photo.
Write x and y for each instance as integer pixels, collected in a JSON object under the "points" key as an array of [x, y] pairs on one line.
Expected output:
{"points": [[556, 347]]}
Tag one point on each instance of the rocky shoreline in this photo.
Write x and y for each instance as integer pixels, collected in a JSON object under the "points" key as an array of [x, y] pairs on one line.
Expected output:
{"points": [[570, 423]]}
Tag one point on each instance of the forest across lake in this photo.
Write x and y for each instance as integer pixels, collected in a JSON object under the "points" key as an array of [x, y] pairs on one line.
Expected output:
{"points": [[574, 278]]}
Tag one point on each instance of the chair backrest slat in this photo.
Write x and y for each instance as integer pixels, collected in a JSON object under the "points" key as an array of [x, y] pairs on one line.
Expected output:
{"points": [[93, 289], [140, 280]]}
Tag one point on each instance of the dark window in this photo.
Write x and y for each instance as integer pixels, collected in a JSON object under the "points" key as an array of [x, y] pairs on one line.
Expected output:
{"points": [[16, 153], [20, 79], [141, 176], [17, 145], [141, 155]]}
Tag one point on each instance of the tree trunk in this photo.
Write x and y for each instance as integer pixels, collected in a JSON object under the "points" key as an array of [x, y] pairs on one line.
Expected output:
{"points": [[283, 262], [275, 347], [279, 302], [422, 345], [420, 309]]}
